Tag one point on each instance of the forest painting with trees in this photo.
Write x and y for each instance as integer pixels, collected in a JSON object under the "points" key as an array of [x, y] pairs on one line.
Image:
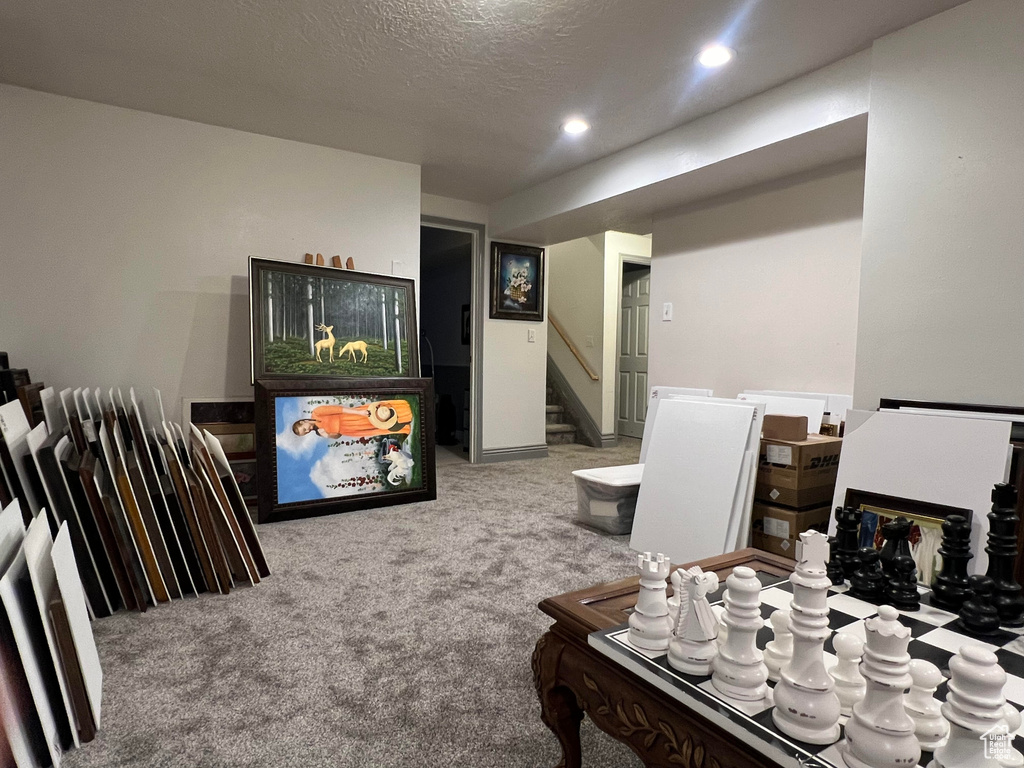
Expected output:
{"points": [[322, 321]]}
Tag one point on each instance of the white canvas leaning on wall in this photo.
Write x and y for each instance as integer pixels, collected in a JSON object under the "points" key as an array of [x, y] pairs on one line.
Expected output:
{"points": [[658, 394], [694, 494], [811, 407], [835, 404], [936, 459]]}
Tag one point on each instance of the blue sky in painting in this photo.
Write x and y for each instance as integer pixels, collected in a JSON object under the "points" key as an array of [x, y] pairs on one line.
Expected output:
{"points": [[293, 481]]}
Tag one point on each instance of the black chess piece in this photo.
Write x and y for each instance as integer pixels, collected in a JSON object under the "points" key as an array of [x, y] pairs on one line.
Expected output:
{"points": [[847, 540], [833, 569], [949, 589], [896, 534], [868, 583], [1002, 556], [977, 614], [901, 588]]}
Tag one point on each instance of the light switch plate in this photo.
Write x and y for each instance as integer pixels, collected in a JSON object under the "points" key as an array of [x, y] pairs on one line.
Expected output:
{"points": [[396, 267], [531, 335], [666, 312]]}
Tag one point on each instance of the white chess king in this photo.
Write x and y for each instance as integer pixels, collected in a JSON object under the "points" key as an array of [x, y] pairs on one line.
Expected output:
{"points": [[650, 626], [806, 704]]}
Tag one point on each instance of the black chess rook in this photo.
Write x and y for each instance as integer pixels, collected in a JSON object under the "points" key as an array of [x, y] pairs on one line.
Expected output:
{"points": [[949, 590], [1002, 556], [834, 569]]}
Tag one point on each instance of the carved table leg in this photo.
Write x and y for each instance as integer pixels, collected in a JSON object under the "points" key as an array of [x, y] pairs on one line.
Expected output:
{"points": [[559, 708]]}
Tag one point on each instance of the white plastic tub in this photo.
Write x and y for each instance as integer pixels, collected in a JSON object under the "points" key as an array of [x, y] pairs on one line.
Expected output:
{"points": [[606, 496]]}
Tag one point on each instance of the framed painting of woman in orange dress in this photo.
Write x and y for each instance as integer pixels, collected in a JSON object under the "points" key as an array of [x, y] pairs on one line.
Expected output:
{"points": [[343, 444]]}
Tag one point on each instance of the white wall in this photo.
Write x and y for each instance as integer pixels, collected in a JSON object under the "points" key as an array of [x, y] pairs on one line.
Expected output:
{"points": [[577, 300], [124, 238], [763, 287], [942, 285]]}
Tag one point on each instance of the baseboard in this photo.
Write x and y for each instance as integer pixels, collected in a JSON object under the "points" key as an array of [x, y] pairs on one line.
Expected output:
{"points": [[494, 455], [587, 430], [609, 441]]}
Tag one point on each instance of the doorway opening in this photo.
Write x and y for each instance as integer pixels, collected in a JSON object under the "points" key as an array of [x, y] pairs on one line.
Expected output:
{"points": [[448, 355], [634, 322]]}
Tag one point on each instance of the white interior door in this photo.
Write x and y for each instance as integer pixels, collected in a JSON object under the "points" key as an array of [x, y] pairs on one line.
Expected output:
{"points": [[633, 348]]}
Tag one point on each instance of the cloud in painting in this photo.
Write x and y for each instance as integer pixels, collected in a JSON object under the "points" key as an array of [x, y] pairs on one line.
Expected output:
{"points": [[344, 463], [290, 410]]}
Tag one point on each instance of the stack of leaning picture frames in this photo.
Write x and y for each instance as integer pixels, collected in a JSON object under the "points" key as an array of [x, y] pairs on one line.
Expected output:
{"points": [[342, 419], [107, 511]]}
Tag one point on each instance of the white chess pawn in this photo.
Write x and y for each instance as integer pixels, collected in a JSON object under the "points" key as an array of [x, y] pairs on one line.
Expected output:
{"points": [[693, 645], [650, 626], [738, 670], [850, 684], [780, 649], [982, 724], [930, 727]]}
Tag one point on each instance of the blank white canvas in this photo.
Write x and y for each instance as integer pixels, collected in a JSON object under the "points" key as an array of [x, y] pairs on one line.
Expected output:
{"points": [[658, 394], [40, 569], [66, 571], [14, 587], [938, 459], [693, 466], [52, 411], [835, 404], [812, 408], [15, 430], [15, 720]]}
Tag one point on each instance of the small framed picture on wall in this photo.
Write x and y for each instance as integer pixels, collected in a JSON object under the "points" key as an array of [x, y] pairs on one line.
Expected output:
{"points": [[517, 282]]}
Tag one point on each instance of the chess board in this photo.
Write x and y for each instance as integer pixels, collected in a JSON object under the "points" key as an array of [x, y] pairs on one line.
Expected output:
{"points": [[935, 637]]}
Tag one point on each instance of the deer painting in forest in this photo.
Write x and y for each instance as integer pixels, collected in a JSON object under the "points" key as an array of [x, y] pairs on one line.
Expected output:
{"points": [[351, 348], [327, 342]]}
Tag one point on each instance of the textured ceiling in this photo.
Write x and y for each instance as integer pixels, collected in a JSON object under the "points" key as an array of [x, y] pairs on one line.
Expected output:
{"points": [[473, 90]]}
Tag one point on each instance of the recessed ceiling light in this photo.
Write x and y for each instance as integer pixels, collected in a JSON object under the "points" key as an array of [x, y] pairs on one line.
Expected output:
{"points": [[575, 126], [715, 55]]}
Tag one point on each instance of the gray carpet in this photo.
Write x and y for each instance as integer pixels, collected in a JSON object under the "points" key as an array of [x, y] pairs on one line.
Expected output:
{"points": [[391, 637]]}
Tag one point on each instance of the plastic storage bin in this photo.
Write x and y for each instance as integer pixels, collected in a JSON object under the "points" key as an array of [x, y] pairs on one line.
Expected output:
{"points": [[606, 496]]}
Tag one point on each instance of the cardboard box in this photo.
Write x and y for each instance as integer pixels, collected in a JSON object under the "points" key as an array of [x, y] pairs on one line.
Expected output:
{"points": [[798, 473], [778, 427], [777, 529]]}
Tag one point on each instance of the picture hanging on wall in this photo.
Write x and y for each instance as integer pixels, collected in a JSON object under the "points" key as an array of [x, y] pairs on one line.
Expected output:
{"points": [[314, 321], [517, 282], [334, 446]]}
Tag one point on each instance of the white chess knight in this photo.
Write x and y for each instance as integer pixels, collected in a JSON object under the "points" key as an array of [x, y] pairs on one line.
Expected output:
{"points": [[850, 685], [779, 650], [738, 670], [650, 626], [881, 733], [930, 726], [806, 704], [982, 723], [693, 645]]}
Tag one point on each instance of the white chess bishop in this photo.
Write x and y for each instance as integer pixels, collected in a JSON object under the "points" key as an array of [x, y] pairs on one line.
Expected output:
{"points": [[982, 723], [806, 704], [650, 626], [738, 670], [693, 645], [880, 733]]}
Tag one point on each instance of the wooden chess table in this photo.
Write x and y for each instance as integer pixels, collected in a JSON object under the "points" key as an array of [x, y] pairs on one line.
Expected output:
{"points": [[573, 679]]}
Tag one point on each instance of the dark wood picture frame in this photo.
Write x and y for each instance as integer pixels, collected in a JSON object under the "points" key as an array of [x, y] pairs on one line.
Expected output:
{"points": [[267, 428], [330, 283], [530, 259]]}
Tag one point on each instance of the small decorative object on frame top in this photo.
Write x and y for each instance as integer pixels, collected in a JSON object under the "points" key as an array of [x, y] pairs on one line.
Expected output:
{"points": [[311, 321], [517, 282]]}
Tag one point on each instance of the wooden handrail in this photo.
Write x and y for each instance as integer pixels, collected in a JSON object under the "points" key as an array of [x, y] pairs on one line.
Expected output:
{"points": [[572, 347]]}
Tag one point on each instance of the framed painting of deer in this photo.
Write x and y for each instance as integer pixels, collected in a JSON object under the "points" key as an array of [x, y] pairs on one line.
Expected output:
{"points": [[322, 322], [517, 282], [327, 446]]}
